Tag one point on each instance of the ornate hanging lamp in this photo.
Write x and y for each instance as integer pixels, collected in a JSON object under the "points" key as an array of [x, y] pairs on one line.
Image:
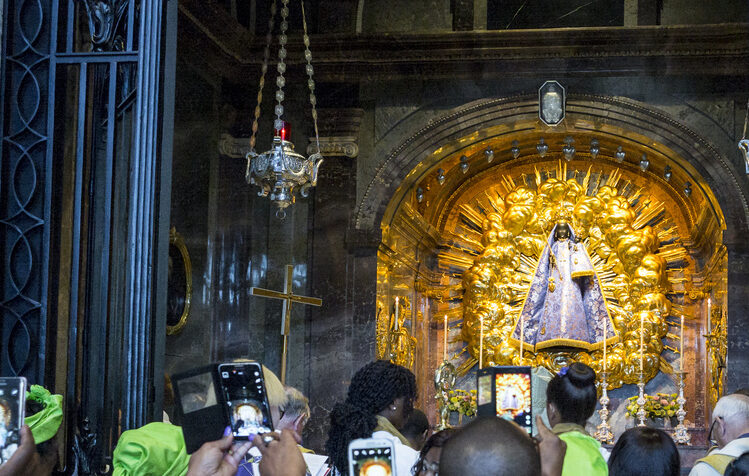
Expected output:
{"points": [[281, 172]]}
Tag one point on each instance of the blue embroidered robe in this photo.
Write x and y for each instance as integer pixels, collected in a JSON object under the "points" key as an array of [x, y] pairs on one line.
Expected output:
{"points": [[564, 306]]}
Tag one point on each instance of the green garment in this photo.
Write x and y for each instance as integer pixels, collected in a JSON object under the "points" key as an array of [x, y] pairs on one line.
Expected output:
{"points": [[583, 455], [45, 423], [154, 449]]}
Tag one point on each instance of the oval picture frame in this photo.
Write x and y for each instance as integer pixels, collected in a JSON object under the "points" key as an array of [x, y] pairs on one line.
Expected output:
{"points": [[179, 284]]}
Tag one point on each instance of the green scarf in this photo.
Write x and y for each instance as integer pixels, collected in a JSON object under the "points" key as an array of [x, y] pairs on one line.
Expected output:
{"points": [[582, 455], [156, 448], [383, 424], [44, 424]]}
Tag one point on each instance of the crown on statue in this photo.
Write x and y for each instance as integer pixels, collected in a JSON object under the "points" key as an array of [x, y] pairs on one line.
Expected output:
{"points": [[563, 216]]}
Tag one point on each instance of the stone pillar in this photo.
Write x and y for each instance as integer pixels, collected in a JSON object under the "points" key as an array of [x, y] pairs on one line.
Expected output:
{"points": [[737, 357]]}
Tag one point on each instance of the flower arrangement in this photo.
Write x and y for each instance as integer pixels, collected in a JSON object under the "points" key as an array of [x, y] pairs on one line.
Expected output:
{"points": [[462, 401], [660, 405]]}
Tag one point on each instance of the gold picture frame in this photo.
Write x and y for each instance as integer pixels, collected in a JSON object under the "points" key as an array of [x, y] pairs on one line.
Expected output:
{"points": [[179, 292]]}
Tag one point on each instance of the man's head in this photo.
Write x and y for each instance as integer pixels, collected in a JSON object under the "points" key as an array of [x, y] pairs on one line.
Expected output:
{"points": [[730, 419], [296, 411], [416, 429], [490, 446], [276, 395]]}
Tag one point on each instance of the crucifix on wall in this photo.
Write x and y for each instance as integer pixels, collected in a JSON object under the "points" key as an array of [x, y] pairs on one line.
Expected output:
{"points": [[288, 296]]}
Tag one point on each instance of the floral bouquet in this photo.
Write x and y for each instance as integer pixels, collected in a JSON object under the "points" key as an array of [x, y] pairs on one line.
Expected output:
{"points": [[660, 405], [462, 401]]}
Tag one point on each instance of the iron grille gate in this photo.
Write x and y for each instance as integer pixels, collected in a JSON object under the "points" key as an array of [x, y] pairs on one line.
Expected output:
{"points": [[85, 164]]}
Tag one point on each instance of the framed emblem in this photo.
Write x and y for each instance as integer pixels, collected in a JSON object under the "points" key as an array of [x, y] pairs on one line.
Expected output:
{"points": [[552, 100]]}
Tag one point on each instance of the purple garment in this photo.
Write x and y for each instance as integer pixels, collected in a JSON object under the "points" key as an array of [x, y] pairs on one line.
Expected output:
{"points": [[564, 306]]}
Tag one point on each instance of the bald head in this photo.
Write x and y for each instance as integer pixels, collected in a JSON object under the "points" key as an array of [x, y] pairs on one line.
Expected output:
{"points": [[490, 446]]}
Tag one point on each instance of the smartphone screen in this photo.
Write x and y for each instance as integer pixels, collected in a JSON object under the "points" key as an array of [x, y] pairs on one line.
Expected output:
{"points": [[513, 397], [12, 410], [368, 460], [244, 392]]}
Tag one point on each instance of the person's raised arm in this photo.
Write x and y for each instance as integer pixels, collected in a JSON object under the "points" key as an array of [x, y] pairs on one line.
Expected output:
{"points": [[551, 449]]}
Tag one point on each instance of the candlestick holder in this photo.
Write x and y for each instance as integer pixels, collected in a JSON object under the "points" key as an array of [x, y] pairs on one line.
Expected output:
{"points": [[680, 432], [641, 414], [603, 430]]}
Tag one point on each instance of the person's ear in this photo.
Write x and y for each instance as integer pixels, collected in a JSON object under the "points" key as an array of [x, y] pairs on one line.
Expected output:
{"points": [[551, 411], [721, 427], [299, 423]]}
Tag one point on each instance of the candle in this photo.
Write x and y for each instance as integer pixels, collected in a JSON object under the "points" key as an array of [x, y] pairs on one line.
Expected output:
{"points": [[681, 345], [444, 346], [397, 324], [522, 338], [642, 340], [604, 344], [481, 343], [709, 306]]}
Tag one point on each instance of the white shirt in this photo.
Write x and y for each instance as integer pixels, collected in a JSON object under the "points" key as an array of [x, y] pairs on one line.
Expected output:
{"points": [[735, 448], [405, 456]]}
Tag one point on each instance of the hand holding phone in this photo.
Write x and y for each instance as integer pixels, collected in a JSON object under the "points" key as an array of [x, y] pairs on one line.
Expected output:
{"points": [[12, 411], [505, 391], [371, 457], [243, 388]]}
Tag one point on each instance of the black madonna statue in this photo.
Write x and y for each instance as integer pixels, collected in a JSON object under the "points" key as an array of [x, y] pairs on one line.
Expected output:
{"points": [[564, 306]]}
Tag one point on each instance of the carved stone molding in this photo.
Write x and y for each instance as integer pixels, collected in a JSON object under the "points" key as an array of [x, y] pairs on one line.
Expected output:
{"points": [[335, 146], [233, 147], [339, 132]]}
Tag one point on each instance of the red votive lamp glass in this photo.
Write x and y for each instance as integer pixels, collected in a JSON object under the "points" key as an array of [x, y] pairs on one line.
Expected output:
{"points": [[284, 132]]}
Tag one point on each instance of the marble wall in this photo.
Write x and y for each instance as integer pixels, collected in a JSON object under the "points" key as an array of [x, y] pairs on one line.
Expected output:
{"points": [[237, 241]]}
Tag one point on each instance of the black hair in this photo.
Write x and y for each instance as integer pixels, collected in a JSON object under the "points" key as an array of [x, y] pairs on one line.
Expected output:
{"points": [[573, 393], [739, 466], [437, 440], [372, 389], [643, 451], [490, 446], [416, 424], [32, 408]]}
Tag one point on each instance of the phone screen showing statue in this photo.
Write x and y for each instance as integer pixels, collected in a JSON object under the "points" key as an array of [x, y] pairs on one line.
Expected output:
{"points": [[245, 395], [513, 396], [12, 397], [372, 461]]}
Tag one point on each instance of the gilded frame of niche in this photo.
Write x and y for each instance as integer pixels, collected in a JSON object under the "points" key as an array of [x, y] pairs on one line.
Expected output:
{"points": [[178, 243], [640, 245]]}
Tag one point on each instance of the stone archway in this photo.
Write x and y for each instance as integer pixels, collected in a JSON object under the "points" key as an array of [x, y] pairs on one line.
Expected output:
{"points": [[468, 130]]}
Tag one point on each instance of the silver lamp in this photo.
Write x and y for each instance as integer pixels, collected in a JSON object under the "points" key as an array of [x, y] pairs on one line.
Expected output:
{"points": [[281, 172]]}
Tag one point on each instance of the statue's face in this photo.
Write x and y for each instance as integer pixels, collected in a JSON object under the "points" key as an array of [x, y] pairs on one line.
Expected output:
{"points": [[563, 232]]}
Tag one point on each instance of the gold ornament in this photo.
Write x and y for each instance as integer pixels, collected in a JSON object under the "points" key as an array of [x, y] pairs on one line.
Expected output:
{"points": [[624, 249]]}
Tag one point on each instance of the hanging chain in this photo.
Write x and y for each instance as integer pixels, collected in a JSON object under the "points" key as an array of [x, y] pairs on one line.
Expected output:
{"points": [[280, 80], [310, 82], [263, 70]]}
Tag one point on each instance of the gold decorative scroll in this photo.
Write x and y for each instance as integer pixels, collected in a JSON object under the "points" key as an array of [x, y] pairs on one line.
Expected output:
{"points": [[633, 245]]}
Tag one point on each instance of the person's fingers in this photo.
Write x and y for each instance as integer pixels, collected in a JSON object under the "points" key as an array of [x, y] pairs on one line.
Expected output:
{"points": [[258, 443], [238, 453], [543, 430], [24, 457], [224, 444]]}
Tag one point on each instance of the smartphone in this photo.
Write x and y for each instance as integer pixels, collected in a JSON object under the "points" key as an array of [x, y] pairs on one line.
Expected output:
{"points": [[12, 411], [246, 400], [200, 411], [505, 391], [371, 457]]}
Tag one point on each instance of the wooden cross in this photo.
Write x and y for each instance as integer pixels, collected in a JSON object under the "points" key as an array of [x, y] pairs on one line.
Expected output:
{"points": [[288, 296]]}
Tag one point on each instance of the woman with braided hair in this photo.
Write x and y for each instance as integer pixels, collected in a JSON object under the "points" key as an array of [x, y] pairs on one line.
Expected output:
{"points": [[379, 401]]}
